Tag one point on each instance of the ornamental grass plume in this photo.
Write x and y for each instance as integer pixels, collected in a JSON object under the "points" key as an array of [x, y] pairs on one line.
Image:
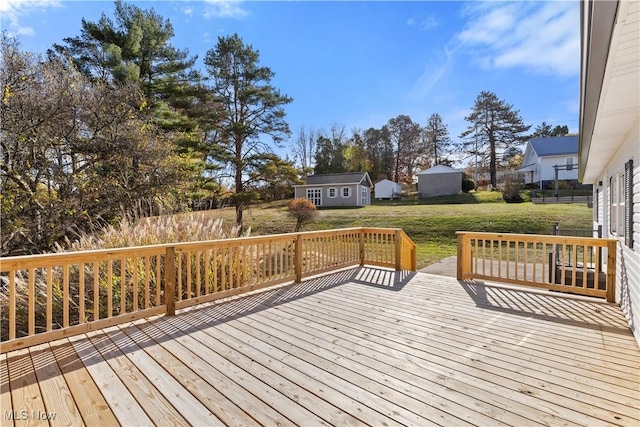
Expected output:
{"points": [[128, 233]]}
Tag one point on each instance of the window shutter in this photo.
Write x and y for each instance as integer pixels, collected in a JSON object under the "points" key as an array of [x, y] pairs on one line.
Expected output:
{"points": [[628, 199], [611, 209]]}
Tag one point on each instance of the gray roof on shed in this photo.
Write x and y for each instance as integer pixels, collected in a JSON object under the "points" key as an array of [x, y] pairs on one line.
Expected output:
{"points": [[339, 178], [555, 145], [439, 169]]}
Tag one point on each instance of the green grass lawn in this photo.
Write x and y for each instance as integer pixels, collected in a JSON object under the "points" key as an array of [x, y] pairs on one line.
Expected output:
{"points": [[431, 223]]}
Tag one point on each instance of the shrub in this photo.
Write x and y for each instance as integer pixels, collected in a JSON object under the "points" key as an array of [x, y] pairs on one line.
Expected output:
{"points": [[303, 210], [511, 187], [468, 184]]}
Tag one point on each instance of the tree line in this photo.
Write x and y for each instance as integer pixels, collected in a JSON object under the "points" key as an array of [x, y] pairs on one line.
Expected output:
{"points": [[116, 121], [395, 151]]}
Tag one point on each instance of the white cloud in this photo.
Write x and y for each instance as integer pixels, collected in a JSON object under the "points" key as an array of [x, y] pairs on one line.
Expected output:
{"points": [[429, 23], [541, 37], [188, 11], [424, 24], [224, 9], [13, 10], [432, 74]]}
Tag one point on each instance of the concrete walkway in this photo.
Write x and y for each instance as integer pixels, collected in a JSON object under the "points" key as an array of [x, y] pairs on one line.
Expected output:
{"points": [[445, 267]]}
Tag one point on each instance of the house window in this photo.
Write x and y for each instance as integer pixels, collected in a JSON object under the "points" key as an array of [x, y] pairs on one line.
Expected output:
{"points": [[569, 163], [616, 205], [621, 202], [346, 192], [331, 192], [315, 195]]}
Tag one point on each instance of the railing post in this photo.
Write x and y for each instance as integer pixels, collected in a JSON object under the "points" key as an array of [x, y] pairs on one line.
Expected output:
{"points": [[414, 259], [611, 271], [170, 281], [361, 247], [460, 256], [298, 258], [398, 239]]}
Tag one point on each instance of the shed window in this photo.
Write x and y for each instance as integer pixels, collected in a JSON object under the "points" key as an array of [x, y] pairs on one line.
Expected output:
{"points": [[331, 192], [346, 192]]}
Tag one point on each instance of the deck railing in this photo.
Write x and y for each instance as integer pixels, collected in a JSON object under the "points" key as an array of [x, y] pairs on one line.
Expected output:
{"points": [[560, 263], [46, 297]]}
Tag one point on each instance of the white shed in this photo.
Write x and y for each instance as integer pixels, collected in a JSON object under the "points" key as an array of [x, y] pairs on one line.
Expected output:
{"points": [[439, 180], [387, 189]]}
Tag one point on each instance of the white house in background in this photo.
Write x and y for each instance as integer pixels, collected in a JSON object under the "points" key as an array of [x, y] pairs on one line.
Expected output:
{"points": [[337, 189], [609, 148], [542, 154], [439, 180], [387, 189]]}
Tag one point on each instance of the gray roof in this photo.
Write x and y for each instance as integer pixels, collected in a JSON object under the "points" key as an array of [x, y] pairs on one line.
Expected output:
{"points": [[338, 178], [439, 169], [555, 145]]}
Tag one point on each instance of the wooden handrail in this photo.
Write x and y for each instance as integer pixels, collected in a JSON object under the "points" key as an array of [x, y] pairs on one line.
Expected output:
{"points": [[75, 292], [560, 263]]}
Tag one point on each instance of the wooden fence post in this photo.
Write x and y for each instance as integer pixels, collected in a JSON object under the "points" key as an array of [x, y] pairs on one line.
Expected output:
{"points": [[398, 239], [298, 258], [170, 281], [361, 247], [611, 271]]}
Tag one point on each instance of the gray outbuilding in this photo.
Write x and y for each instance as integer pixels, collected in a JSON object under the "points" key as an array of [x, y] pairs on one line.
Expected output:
{"points": [[337, 189], [439, 180]]}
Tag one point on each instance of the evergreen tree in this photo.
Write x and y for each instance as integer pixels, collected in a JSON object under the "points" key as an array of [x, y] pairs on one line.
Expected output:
{"points": [[493, 127], [248, 107], [437, 139]]}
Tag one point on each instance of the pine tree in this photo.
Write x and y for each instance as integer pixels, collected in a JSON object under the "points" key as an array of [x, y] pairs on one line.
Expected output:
{"points": [[249, 108], [437, 139], [493, 127]]}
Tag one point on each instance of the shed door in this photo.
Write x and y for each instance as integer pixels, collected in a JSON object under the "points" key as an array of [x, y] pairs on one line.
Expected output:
{"points": [[364, 196], [315, 195]]}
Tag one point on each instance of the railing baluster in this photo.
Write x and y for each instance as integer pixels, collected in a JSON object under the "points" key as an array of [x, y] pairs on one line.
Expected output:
{"points": [[147, 290], [80, 294], [96, 290], [66, 295], [135, 284], [12, 304], [109, 288], [179, 277], [32, 301], [123, 286], [49, 298]]}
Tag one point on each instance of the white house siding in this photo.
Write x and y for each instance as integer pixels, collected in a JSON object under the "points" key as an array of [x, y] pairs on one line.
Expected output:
{"points": [[547, 172], [627, 260]]}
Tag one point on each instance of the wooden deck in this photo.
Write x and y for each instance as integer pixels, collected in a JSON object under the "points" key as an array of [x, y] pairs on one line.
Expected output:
{"points": [[363, 346]]}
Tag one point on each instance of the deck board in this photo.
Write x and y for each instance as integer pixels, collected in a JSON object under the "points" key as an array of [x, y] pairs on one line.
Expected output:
{"points": [[54, 388], [476, 366], [365, 346], [89, 400], [5, 393]]}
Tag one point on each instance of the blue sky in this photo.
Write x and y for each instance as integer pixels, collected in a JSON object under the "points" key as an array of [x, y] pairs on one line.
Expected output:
{"points": [[362, 63]]}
